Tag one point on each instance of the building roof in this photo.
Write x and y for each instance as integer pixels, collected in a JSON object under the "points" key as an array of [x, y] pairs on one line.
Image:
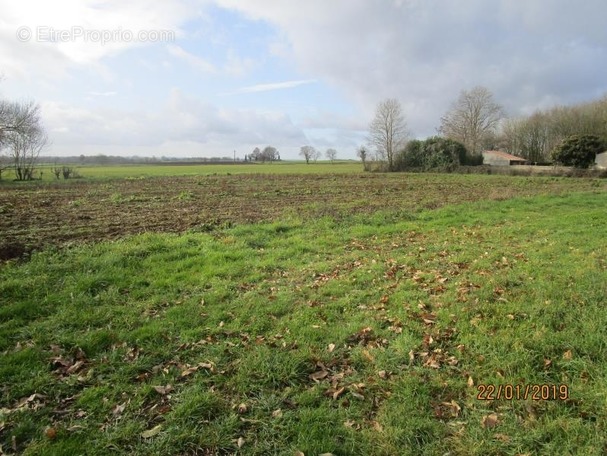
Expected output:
{"points": [[504, 155]]}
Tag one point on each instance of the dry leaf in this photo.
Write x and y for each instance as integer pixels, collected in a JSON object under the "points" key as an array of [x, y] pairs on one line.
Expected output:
{"points": [[240, 442], [163, 390], [75, 367], [118, 409], [502, 437], [470, 382], [75, 428], [189, 371], [151, 432], [490, 421], [338, 393], [317, 376], [277, 413], [568, 355], [331, 348], [368, 356]]}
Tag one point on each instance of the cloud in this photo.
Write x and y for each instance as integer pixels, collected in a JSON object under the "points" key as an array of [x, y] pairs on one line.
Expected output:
{"points": [[103, 94], [183, 119], [35, 34], [194, 61], [426, 52], [272, 86]]}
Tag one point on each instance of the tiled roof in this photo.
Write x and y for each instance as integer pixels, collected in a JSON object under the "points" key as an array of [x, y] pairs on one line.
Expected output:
{"points": [[504, 155]]}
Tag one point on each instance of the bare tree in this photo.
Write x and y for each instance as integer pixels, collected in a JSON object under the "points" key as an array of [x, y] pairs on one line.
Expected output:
{"points": [[269, 153], [5, 163], [25, 148], [331, 154], [388, 131], [472, 119], [22, 134], [18, 118], [308, 153], [316, 155]]}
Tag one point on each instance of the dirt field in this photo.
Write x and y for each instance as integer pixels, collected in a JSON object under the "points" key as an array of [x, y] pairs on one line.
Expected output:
{"points": [[38, 215]]}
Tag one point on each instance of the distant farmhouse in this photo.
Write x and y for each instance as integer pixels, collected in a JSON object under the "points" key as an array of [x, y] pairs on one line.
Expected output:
{"points": [[499, 158], [601, 160]]}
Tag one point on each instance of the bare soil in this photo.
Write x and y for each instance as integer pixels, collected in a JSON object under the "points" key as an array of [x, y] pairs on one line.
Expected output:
{"points": [[36, 216]]}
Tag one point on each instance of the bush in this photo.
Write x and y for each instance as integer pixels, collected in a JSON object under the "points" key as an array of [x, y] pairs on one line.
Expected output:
{"points": [[412, 156], [471, 160], [578, 151], [434, 153]]}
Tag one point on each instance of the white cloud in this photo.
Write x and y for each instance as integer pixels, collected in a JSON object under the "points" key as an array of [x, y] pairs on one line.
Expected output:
{"points": [[531, 54], [426, 52], [272, 86], [217, 131], [82, 32], [194, 61]]}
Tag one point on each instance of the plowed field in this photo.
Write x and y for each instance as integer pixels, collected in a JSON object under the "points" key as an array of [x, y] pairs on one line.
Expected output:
{"points": [[39, 215]]}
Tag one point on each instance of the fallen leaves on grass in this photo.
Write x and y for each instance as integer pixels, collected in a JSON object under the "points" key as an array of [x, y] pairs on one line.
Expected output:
{"points": [[189, 370], [33, 402], [64, 366], [490, 421], [367, 338], [447, 410], [163, 390], [151, 432]]}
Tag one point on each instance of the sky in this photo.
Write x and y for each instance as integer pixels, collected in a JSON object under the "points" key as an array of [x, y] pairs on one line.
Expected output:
{"points": [[204, 78]]}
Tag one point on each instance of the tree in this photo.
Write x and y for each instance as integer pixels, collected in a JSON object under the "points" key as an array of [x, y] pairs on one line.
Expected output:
{"points": [[17, 118], [388, 131], [269, 153], [331, 154], [255, 155], [21, 132], [316, 155], [527, 137], [308, 153], [579, 151], [362, 153], [472, 119], [25, 148], [4, 164], [536, 136]]}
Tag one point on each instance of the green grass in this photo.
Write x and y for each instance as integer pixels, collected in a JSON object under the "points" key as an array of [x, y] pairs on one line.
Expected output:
{"points": [[154, 170], [356, 336]]}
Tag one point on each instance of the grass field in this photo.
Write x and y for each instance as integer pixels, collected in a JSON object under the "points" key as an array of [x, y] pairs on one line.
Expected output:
{"points": [[367, 317], [177, 169]]}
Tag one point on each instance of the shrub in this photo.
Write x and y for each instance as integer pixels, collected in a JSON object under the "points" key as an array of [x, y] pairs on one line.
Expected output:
{"points": [[434, 153], [578, 151]]}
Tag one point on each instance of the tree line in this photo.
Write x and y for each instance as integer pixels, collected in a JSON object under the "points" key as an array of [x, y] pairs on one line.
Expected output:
{"points": [[568, 135]]}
